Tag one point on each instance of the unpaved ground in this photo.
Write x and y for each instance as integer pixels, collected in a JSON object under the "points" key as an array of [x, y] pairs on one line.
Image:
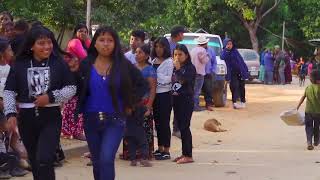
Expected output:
{"points": [[257, 146]]}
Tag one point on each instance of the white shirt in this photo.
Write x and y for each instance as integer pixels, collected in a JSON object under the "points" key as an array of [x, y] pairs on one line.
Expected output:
{"points": [[4, 72], [131, 57], [164, 75]]}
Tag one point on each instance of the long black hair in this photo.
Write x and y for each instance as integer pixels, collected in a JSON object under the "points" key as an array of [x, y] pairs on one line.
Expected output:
{"points": [[184, 49], [35, 33], [76, 29], [165, 43], [4, 44], [7, 13], [119, 69], [146, 49]]}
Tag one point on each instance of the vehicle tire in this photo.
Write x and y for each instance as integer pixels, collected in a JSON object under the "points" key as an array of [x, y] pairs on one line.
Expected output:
{"points": [[220, 95]]}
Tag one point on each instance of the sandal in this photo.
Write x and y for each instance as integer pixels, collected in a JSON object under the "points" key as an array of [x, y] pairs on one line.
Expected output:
{"points": [[178, 158], [185, 160], [80, 137], [87, 155]]}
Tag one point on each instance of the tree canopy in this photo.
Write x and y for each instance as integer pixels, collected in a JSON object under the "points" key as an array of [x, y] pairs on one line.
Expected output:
{"points": [[251, 23]]}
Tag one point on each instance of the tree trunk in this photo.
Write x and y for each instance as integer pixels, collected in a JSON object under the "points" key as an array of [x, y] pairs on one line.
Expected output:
{"points": [[254, 39]]}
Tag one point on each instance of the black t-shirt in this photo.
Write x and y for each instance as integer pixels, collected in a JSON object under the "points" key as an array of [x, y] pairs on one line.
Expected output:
{"points": [[29, 78], [183, 80]]}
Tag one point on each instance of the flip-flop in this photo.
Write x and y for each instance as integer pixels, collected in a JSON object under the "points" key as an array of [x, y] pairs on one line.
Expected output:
{"points": [[178, 158], [185, 160]]}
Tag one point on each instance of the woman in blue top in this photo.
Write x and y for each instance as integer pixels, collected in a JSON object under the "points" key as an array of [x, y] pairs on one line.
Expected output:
{"points": [[110, 89], [139, 134], [237, 73]]}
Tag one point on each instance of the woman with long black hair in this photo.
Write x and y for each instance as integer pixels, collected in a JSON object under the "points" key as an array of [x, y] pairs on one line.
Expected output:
{"points": [[162, 104], [110, 90], [39, 81], [183, 91]]}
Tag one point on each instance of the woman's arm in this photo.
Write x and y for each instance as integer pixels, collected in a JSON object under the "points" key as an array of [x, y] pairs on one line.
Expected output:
{"points": [[68, 90], [9, 94], [9, 100], [301, 101], [152, 93], [188, 76]]}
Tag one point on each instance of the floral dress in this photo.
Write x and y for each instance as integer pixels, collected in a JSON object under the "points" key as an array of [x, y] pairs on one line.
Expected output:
{"points": [[71, 128]]}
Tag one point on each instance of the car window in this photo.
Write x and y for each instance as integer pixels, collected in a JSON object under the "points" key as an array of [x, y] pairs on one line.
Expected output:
{"points": [[213, 43], [248, 55]]}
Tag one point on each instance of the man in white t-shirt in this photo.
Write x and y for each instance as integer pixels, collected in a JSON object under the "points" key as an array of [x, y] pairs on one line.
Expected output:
{"points": [[136, 40]]}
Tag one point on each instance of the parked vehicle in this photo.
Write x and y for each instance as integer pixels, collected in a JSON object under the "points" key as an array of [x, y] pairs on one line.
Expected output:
{"points": [[220, 85], [252, 59]]}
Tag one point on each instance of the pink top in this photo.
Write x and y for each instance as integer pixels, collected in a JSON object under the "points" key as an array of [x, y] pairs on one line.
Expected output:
{"points": [[199, 58], [75, 47], [309, 68]]}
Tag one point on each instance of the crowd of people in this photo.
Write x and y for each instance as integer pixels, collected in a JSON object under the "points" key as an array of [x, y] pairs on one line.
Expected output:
{"points": [[82, 93], [277, 67]]}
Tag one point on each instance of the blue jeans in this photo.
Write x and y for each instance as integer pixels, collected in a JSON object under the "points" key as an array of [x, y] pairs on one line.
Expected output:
{"points": [[312, 123], [282, 76], [103, 144], [268, 78], [208, 88], [197, 88]]}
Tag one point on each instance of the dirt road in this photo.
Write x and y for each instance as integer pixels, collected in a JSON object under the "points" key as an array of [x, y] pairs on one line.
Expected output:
{"points": [[257, 146]]}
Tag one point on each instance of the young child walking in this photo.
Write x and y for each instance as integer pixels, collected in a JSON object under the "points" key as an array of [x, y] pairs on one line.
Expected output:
{"points": [[312, 111], [183, 90]]}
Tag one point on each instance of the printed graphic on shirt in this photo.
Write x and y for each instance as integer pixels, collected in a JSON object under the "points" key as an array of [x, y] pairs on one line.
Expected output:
{"points": [[38, 80], [176, 87]]}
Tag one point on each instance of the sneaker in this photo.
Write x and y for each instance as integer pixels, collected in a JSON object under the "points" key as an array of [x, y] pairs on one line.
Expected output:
{"points": [[236, 106], [18, 172], [145, 163], [5, 175], [176, 134], [164, 156], [133, 163], [198, 109], [310, 147], [243, 105], [157, 153]]}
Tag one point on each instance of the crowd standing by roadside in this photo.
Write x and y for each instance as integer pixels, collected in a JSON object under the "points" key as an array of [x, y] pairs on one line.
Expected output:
{"points": [[82, 93]]}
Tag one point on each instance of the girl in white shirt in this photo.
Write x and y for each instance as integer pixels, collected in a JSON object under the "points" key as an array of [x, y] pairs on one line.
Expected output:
{"points": [[162, 105]]}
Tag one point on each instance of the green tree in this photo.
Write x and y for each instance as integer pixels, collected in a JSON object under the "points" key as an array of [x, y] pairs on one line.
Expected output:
{"points": [[310, 21], [251, 13]]}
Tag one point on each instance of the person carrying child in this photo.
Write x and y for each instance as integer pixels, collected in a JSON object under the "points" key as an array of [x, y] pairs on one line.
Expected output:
{"points": [[139, 133], [312, 111]]}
